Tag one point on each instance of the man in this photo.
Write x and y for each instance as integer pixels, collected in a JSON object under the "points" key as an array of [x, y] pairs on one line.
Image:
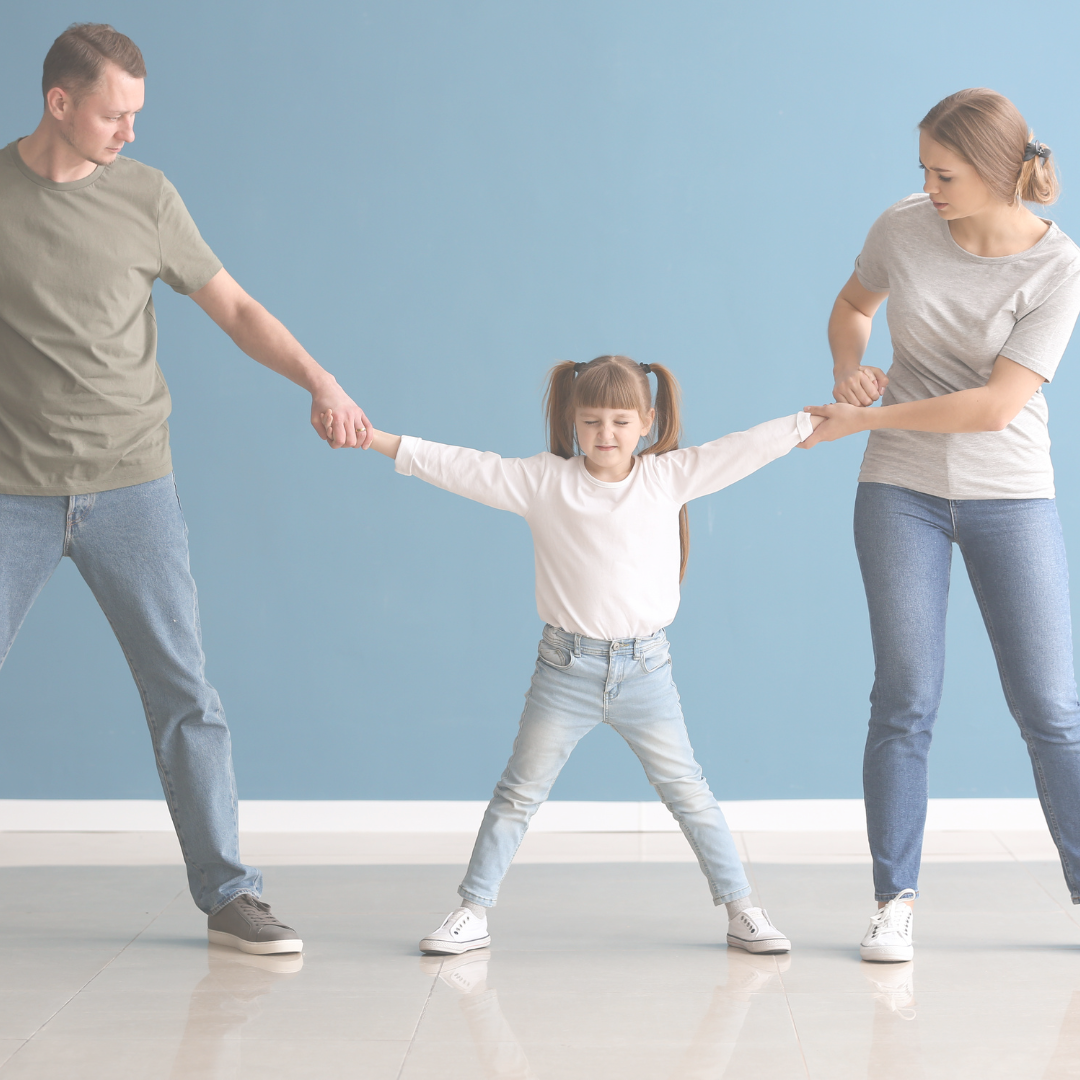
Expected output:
{"points": [[85, 469]]}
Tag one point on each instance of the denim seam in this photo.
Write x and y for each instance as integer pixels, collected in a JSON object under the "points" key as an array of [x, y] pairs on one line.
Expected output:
{"points": [[1018, 716], [163, 772]]}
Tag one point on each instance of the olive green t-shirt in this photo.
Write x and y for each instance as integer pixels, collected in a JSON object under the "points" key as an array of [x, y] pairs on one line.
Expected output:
{"points": [[83, 404]]}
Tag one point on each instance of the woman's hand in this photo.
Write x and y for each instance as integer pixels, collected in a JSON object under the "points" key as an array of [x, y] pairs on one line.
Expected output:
{"points": [[836, 421], [861, 385]]}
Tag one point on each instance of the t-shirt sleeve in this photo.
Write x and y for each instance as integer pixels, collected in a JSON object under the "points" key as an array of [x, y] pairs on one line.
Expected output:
{"points": [[504, 483], [700, 470], [872, 265], [187, 263], [1039, 338]]}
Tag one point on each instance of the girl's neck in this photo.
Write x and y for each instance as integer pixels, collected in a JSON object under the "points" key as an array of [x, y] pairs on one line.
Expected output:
{"points": [[998, 231], [609, 474]]}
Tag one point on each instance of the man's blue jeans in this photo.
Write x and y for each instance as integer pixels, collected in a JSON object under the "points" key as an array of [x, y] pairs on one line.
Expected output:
{"points": [[1015, 558], [130, 545], [578, 683]]}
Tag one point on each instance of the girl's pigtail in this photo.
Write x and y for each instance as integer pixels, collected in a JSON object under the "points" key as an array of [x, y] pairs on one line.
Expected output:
{"points": [[668, 433], [557, 397]]}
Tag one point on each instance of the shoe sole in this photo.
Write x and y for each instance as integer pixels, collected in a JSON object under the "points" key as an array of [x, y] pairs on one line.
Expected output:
{"points": [[256, 948], [887, 954], [765, 947], [434, 947]]}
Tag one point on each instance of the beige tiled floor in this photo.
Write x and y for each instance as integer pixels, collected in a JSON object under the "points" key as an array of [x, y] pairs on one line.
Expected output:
{"points": [[599, 970]]}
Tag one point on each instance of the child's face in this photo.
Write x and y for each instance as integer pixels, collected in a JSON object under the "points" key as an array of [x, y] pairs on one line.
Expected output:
{"points": [[609, 437]]}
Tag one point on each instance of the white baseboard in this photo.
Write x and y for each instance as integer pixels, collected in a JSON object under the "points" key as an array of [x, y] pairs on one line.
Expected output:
{"points": [[435, 816]]}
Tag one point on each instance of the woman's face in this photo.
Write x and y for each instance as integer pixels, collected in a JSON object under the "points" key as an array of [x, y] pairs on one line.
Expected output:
{"points": [[952, 183]]}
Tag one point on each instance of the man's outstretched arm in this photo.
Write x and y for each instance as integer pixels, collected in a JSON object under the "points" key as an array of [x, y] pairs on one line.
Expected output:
{"points": [[267, 340]]}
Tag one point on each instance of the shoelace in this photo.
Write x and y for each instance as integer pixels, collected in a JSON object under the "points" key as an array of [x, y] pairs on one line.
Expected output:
{"points": [[893, 915], [257, 912]]}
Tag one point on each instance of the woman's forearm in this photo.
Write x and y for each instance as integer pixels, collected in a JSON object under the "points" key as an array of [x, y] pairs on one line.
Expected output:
{"points": [[849, 333], [964, 411]]}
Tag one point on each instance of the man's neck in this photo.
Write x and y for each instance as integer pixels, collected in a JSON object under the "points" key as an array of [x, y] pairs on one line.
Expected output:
{"points": [[50, 156]]}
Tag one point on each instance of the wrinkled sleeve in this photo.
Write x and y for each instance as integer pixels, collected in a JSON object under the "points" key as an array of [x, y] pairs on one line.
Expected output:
{"points": [[504, 483], [700, 470], [872, 265], [187, 263], [1039, 337]]}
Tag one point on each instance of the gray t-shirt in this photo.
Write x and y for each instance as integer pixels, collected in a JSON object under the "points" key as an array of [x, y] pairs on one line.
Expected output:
{"points": [[951, 314], [83, 404]]}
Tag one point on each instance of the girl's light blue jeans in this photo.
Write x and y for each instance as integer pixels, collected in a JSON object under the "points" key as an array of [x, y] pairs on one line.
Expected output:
{"points": [[1015, 558], [580, 682], [130, 545]]}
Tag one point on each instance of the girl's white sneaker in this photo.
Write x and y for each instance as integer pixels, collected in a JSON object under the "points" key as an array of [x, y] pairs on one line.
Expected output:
{"points": [[888, 941], [460, 931], [751, 930]]}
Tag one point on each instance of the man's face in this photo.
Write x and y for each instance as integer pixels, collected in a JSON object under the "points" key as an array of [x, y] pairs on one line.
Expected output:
{"points": [[99, 124]]}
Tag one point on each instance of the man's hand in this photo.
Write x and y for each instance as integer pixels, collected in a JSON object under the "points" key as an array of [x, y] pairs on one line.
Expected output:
{"points": [[338, 420], [832, 422], [382, 441], [862, 385]]}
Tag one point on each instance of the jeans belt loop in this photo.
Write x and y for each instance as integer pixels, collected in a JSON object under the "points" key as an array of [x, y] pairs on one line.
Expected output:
{"points": [[637, 648], [577, 644]]}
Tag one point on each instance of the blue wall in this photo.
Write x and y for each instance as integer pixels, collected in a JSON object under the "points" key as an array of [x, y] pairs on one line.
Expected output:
{"points": [[441, 199]]}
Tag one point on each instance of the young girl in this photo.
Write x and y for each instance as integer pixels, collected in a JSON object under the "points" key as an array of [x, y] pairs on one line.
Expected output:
{"points": [[611, 538]]}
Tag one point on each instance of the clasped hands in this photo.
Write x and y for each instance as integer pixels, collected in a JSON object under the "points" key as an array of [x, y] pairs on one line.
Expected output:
{"points": [[854, 391]]}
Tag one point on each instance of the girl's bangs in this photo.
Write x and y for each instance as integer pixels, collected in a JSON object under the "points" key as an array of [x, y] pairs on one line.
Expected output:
{"points": [[611, 386]]}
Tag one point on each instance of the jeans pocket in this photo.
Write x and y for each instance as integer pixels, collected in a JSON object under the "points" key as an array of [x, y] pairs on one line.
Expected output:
{"points": [[556, 656], [656, 658]]}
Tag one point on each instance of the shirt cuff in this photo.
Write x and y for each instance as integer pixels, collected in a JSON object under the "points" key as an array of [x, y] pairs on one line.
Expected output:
{"points": [[804, 424], [403, 463]]}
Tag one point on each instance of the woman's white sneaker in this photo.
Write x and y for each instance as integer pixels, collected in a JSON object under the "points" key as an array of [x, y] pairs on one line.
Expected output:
{"points": [[751, 930], [460, 931], [888, 941]]}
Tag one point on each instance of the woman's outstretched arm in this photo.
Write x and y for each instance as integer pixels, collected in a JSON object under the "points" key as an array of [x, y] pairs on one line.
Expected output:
{"points": [[849, 331], [984, 408]]}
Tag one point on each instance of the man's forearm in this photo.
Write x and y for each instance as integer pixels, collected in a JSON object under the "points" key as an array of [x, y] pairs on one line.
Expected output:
{"points": [[267, 340]]}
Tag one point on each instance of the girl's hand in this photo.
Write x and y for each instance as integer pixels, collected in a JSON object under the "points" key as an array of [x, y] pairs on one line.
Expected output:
{"points": [[861, 386], [836, 422]]}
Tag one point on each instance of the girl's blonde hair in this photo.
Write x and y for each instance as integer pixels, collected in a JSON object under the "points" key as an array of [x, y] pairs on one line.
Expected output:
{"points": [[987, 131], [616, 382]]}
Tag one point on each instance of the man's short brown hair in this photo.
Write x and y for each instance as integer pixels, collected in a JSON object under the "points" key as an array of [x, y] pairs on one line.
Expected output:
{"points": [[79, 55]]}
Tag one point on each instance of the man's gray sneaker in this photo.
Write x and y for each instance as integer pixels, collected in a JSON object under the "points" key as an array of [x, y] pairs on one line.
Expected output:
{"points": [[249, 925]]}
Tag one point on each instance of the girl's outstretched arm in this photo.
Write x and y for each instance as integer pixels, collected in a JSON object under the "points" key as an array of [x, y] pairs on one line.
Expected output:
{"points": [[504, 483], [382, 441]]}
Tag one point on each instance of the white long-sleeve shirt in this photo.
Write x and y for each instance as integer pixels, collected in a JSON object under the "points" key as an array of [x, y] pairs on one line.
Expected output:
{"points": [[607, 554]]}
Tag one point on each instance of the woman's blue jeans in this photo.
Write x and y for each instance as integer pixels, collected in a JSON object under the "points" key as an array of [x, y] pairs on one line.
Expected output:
{"points": [[130, 545], [578, 683], [1015, 558]]}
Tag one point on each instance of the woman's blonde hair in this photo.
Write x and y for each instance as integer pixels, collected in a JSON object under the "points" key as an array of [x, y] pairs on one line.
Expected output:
{"points": [[987, 131], [616, 382]]}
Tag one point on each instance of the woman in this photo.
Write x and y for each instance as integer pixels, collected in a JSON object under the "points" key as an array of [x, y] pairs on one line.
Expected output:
{"points": [[983, 295]]}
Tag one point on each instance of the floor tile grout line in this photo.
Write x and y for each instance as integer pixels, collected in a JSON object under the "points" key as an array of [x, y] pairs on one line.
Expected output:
{"points": [[56, 1012], [416, 1026]]}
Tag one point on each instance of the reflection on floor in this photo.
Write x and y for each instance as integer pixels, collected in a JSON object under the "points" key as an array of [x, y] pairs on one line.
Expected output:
{"points": [[597, 971]]}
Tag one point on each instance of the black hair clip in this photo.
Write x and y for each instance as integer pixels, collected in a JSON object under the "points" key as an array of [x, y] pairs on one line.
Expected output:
{"points": [[579, 368], [647, 368], [1036, 149]]}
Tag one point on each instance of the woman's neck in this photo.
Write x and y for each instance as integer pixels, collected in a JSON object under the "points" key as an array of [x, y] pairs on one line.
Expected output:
{"points": [[998, 231]]}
